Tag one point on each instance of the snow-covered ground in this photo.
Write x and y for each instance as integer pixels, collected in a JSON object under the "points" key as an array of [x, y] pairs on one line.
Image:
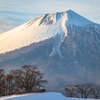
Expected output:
{"points": [[40, 96]]}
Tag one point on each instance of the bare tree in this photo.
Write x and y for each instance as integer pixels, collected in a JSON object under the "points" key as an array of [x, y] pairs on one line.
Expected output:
{"points": [[70, 91], [28, 77], [9, 84], [2, 82], [96, 91], [83, 91]]}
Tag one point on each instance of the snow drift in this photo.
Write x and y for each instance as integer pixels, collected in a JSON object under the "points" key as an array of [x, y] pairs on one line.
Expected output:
{"points": [[40, 96]]}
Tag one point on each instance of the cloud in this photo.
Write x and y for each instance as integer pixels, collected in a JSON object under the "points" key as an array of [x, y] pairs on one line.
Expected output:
{"points": [[47, 6], [10, 20], [21, 11], [5, 26]]}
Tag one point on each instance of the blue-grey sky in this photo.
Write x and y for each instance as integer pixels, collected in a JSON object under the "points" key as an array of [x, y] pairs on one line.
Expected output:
{"points": [[16, 12]]}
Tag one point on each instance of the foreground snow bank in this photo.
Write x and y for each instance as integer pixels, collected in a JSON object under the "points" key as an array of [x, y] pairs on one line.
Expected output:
{"points": [[36, 96], [39, 96], [12, 96]]}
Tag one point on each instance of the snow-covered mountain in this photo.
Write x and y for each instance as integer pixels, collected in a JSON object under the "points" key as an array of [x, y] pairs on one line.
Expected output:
{"points": [[40, 29], [65, 46]]}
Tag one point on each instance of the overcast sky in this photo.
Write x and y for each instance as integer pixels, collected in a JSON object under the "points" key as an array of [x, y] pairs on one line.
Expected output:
{"points": [[16, 12]]}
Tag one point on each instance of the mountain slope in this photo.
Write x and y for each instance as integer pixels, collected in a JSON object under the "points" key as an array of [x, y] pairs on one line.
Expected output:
{"points": [[39, 29], [65, 46], [34, 31]]}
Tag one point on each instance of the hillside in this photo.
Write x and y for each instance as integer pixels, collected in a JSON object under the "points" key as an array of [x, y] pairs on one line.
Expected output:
{"points": [[64, 45], [40, 96]]}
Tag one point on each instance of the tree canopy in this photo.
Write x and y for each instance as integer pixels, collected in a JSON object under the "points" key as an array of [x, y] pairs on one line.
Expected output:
{"points": [[29, 77]]}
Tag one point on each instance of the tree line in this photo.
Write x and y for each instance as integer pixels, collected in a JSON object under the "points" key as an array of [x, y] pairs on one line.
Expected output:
{"points": [[86, 90], [25, 80], [29, 79]]}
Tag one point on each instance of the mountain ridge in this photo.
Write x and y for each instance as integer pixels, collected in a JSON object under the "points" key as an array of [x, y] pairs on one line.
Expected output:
{"points": [[41, 28], [66, 54]]}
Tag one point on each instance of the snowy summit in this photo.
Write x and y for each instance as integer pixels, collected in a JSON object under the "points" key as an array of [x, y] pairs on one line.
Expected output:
{"points": [[44, 27]]}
